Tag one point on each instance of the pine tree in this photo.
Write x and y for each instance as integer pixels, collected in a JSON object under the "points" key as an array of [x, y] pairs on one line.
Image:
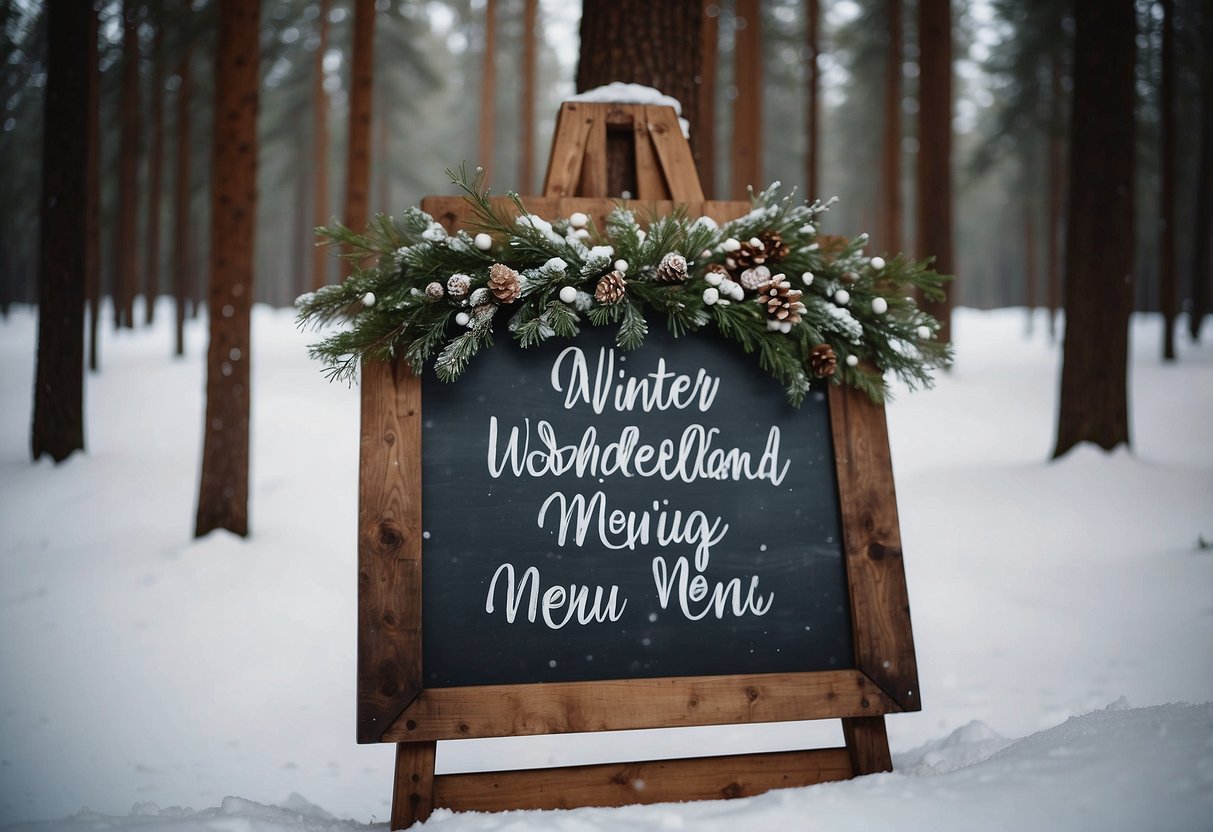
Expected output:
{"points": [[92, 229], [889, 200], [320, 146], [223, 494], [58, 426], [151, 269], [934, 187], [1168, 286], [125, 262], [182, 267], [358, 151], [1099, 242]]}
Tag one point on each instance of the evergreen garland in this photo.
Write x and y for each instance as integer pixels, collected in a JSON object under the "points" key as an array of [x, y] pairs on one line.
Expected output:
{"points": [[401, 299]]}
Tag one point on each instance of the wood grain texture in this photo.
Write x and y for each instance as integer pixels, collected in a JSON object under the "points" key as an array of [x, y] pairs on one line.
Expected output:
{"points": [[650, 184], [674, 153], [389, 546], [867, 744], [622, 784], [622, 704], [568, 150], [413, 783], [880, 606], [593, 180]]}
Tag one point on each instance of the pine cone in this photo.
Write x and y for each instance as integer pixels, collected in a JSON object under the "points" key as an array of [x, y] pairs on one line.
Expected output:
{"points": [[767, 247], [504, 283], [610, 288], [773, 245], [673, 268], [822, 360], [458, 285], [782, 302], [755, 278]]}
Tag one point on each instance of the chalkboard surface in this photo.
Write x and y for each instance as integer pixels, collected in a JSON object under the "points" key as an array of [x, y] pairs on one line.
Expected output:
{"points": [[590, 513]]}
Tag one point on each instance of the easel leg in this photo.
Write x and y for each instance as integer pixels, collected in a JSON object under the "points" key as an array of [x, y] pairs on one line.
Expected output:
{"points": [[868, 744], [413, 784]]}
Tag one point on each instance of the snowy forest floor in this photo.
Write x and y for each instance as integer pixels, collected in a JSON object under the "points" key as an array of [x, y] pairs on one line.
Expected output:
{"points": [[1068, 604]]}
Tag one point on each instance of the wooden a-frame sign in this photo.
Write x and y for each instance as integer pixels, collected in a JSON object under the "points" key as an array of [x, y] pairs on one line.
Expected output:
{"points": [[394, 705]]}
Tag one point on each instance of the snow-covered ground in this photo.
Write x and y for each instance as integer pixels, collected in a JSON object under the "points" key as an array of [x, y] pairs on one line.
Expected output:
{"points": [[1065, 604]]}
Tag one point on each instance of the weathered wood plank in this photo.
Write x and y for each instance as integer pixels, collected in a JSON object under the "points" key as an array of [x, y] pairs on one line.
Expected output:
{"points": [[619, 704], [413, 783], [867, 744], [568, 150], [389, 546], [658, 781], [594, 164], [880, 606], [650, 183], [675, 154]]}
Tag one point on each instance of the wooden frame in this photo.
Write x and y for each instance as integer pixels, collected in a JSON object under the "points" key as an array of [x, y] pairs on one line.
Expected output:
{"points": [[394, 705]]}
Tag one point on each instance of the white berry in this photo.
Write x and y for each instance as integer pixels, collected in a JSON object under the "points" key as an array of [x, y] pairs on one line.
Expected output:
{"points": [[713, 278], [484, 242], [578, 220], [568, 294], [462, 319], [755, 242], [711, 295], [877, 263], [772, 324], [924, 332], [368, 299], [807, 278], [731, 244], [880, 306], [582, 234], [852, 360], [621, 265], [842, 297], [785, 327]]}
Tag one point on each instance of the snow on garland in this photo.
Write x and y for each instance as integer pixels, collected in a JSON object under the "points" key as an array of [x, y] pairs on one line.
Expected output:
{"points": [[807, 308]]}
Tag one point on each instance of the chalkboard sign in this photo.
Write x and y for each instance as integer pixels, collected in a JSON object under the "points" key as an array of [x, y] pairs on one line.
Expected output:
{"points": [[592, 513]]}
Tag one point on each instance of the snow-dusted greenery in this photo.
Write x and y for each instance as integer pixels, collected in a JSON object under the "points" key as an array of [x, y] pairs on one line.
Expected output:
{"points": [[861, 306]]}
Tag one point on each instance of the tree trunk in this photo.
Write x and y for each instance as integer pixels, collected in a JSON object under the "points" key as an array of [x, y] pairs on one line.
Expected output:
{"points": [[1202, 238], [747, 108], [320, 148], [1099, 238], [1168, 287], [1029, 255], [488, 91], [639, 42], [58, 426], [223, 495], [704, 128], [934, 191], [92, 250], [151, 277], [182, 265], [889, 201], [358, 156], [1057, 177], [526, 153], [812, 160], [126, 264]]}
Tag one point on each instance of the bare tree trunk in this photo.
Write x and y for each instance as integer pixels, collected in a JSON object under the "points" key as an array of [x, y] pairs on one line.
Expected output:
{"points": [[182, 265], [1168, 287], [223, 494], [58, 426], [526, 153], [1029, 256], [126, 264], [1202, 239], [747, 108], [813, 111], [640, 42], [92, 256], [358, 156], [488, 91], [704, 127], [1056, 189], [934, 191], [151, 277], [890, 165], [1099, 238], [320, 148]]}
